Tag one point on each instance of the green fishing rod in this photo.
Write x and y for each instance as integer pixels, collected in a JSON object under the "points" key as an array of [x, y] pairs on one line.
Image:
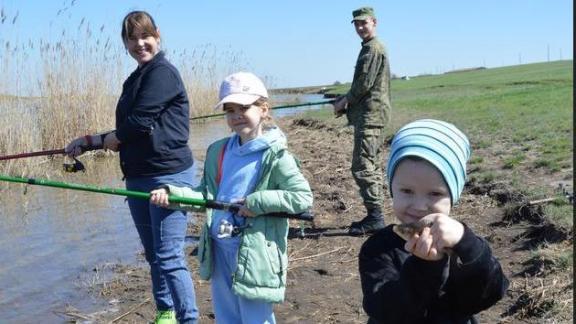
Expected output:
{"points": [[274, 108], [145, 195]]}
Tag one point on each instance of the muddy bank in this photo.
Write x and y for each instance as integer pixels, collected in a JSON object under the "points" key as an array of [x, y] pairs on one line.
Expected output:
{"points": [[323, 282]]}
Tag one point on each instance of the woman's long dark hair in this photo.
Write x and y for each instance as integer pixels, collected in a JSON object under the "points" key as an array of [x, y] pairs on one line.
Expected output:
{"points": [[140, 20]]}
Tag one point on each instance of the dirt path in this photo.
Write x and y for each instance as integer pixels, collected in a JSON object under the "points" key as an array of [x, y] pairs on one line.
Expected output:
{"points": [[323, 283]]}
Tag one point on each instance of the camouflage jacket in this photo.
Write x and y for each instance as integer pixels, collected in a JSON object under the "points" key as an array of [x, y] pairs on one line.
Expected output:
{"points": [[369, 94]]}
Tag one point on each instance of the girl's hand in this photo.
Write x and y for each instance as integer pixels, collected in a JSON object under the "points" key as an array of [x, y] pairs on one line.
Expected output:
{"points": [[159, 197], [246, 212], [444, 233], [243, 211]]}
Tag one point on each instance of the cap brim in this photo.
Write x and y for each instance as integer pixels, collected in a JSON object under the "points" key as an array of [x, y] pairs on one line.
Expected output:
{"points": [[360, 18], [237, 98]]}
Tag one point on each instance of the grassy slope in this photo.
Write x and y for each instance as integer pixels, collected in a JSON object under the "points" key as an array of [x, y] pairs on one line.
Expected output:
{"points": [[523, 113], [519, 120]]}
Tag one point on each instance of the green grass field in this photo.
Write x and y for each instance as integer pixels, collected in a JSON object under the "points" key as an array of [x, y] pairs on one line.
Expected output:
{"points": [[522, 114]]}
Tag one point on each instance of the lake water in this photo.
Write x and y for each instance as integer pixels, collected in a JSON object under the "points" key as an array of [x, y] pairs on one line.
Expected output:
{"points": [[57, 243]]}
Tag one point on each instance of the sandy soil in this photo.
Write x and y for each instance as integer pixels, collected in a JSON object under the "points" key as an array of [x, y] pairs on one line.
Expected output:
{"points": [[323, 281]]}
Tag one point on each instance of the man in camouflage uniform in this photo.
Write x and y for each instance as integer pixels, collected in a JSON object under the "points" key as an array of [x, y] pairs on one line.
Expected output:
{"points": [[367, 107]]}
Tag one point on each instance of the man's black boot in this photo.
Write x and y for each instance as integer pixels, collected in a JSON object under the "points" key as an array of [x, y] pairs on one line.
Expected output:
{"points": [[373, 222]]}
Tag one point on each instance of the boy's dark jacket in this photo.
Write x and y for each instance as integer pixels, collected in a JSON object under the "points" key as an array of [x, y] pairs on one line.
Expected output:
{"points": [[152, 121], [401, 288]]}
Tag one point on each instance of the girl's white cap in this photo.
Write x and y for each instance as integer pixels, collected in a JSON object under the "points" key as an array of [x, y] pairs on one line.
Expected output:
{"points": [[242, 88]]}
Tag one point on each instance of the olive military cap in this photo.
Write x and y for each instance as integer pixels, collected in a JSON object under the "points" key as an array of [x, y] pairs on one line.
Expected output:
{"points": [[363, 13]]}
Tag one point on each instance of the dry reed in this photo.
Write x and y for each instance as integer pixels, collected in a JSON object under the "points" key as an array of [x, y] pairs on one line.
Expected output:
{"points": [[52, 91]]}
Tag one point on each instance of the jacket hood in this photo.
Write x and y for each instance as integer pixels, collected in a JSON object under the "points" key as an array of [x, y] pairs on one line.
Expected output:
{"points": [[272, 138]]}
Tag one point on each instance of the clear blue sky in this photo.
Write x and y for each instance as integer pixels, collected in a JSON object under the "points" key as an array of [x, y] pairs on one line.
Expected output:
{"points": [[299, 43]]}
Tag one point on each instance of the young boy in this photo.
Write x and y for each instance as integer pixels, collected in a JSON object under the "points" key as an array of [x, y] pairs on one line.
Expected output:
{"points": [[440, 272]]}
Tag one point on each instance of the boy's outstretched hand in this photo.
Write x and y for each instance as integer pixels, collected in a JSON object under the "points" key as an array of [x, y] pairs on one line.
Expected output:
{"points": [[431, 243], [159, 197]]}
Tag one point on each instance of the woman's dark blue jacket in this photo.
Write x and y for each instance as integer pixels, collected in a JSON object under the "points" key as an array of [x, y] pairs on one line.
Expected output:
{"points": [[152, 121]]}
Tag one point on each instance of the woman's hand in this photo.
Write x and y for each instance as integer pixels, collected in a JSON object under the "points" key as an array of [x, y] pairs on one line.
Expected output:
{"points": [[111, 142], [74, 148], [159, 197], [82, 144]]}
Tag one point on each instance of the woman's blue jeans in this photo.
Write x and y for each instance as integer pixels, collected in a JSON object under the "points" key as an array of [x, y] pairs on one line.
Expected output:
{"points": [[163, 232]]}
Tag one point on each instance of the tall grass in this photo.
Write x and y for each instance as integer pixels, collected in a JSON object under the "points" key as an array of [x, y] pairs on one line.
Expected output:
{"points": [[202, 70], [18, 130], [79, 86]]}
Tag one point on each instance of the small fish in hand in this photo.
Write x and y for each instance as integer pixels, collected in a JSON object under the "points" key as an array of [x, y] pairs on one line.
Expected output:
{"points": [[408, 230]]}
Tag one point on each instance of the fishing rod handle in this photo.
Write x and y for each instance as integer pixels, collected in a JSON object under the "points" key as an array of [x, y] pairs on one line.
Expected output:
{"points": [[306, 216]]}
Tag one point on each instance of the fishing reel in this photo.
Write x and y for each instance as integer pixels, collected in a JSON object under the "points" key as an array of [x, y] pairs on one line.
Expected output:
{"points": [[73, 167], [228, 230]]}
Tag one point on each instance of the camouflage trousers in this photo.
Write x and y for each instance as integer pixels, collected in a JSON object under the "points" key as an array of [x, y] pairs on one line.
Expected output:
{"points": [[368, 165]]}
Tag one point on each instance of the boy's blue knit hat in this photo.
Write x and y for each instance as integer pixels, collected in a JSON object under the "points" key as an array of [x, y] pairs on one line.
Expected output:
{"points": [[440, 143]]}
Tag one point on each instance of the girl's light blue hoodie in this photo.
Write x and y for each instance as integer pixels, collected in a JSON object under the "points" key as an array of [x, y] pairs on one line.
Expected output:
{"points": [[241, 168]]}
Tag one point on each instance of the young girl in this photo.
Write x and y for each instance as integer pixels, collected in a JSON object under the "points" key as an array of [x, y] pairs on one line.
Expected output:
{"points": [[443, 272], [247, 265]]}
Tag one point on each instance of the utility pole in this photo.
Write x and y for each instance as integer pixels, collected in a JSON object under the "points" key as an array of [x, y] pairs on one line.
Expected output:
{"points": [[547, 52]]}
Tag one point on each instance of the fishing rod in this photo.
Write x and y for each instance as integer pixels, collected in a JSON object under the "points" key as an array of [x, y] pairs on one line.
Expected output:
{"points": [[145, 195], [31, 154], [68, 167], [275, 108]]}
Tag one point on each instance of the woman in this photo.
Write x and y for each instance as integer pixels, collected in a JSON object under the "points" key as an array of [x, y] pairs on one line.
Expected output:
{"points": [[151, 135]]}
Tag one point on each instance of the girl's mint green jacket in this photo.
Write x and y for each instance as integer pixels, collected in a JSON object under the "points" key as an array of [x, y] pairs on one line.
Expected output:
{"points": [[262, 256]]}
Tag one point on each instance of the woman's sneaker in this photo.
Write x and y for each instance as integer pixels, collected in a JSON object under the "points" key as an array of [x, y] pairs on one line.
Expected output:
{"points": [[165, 317]]}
